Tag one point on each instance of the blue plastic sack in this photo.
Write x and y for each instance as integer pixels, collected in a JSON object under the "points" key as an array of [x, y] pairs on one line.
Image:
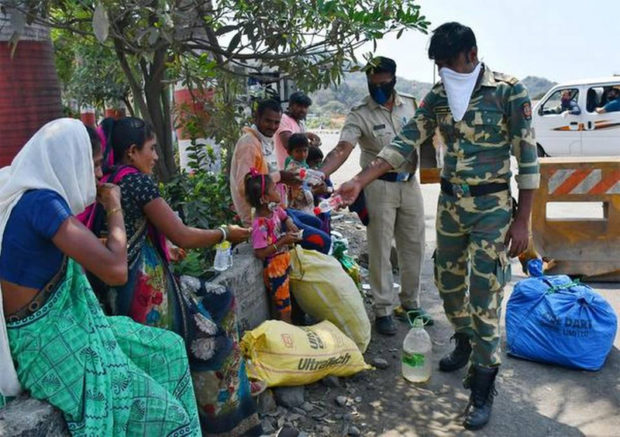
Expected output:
{"points": [[552, 319]]}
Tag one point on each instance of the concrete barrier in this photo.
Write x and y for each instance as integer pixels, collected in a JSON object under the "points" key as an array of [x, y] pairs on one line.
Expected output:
{"points": [[580, 246]]}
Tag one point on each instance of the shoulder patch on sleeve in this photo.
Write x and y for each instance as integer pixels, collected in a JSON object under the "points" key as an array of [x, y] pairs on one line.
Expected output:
{"points": [[526, 109]]}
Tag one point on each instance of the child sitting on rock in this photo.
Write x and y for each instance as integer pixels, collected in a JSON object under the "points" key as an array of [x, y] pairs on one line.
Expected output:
{"points": [[273, 231]]}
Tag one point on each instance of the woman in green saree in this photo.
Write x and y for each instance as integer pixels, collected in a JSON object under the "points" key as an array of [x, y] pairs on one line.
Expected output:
{"points": [[108, 375]]}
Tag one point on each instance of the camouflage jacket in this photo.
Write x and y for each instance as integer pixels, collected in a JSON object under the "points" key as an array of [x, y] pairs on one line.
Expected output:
{"points": [[478, 147]]}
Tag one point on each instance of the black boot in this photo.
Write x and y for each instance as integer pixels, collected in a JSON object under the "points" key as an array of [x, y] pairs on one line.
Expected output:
{"points": [[385, 325], [459, 356], [482, 383]]}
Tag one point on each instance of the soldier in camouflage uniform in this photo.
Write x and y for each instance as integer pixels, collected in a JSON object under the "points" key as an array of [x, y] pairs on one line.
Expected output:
{"points": [[475, 224]]}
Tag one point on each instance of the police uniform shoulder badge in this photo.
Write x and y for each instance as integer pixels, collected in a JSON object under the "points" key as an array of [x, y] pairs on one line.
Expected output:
{"points": [[358, 106]]}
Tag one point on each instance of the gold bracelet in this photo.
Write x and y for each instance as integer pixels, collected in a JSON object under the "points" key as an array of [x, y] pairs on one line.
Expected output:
{"points": [[115, 210]]}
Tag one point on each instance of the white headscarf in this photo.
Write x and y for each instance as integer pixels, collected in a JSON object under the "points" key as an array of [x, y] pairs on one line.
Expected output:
{"points": [[59, 158], [459, 87]]}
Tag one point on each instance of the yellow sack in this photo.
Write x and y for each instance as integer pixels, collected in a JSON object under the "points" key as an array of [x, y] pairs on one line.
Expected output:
{"points": [[325, 291], [283, 354]]}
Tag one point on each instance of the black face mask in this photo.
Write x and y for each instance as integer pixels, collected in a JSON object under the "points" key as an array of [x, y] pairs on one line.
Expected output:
{"points": [[381, 93]]}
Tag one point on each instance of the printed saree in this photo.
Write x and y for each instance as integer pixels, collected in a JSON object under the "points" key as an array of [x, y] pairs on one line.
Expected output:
{"points": [[108, 375], [204, 315]]}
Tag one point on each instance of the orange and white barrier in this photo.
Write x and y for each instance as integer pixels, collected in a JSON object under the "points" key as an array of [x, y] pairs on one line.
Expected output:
{"points": [[584, 181], [588, 247]]}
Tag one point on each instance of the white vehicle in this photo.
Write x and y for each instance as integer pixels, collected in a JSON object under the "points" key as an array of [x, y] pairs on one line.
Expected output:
{"points": [[573, 127]]}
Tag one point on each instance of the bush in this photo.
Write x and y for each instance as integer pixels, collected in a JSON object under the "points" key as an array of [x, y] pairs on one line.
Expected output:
{"points": [[202, 200]]}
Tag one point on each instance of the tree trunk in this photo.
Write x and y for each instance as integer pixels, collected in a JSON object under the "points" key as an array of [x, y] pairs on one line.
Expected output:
{"points": [[159, 115], [152, 98], [29, 87], [157, 100]]}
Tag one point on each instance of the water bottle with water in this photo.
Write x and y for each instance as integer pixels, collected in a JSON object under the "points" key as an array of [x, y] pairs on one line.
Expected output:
{"points": [[328, 204], [416, 355], [223, 256], [310, 176]]}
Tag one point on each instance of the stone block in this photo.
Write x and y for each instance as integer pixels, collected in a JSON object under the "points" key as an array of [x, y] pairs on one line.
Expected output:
{"points": [[245, 279], [27, 417], [289, 397]]}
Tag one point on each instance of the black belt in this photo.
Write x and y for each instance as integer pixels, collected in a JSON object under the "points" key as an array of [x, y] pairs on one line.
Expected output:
{"points": [[396, 177], [464, 190], [39, 299]]}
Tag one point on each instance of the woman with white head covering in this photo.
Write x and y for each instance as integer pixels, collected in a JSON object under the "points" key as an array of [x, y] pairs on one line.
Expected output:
{"points": [[109, 376]]}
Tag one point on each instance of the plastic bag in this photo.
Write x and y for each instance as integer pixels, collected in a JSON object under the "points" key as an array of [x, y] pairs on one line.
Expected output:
{"points": [[323, 289], [283, 354], [555, 320], [349, 265]]}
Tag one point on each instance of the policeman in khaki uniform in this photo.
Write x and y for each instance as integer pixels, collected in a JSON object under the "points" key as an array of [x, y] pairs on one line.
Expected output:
{"points": [[394, 202], [483, 117]]}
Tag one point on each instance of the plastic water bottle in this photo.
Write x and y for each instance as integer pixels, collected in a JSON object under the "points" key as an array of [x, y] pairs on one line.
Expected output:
{"points": [[416, 356], [328, 204], [223, 256], [310, 176]]}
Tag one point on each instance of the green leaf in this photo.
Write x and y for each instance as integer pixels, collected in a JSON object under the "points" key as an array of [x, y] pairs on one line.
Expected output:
{"points": [[234, 42]]}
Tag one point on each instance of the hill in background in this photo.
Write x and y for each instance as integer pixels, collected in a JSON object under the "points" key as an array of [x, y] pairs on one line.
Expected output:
{"points": [[537, 86], [331, 104]]}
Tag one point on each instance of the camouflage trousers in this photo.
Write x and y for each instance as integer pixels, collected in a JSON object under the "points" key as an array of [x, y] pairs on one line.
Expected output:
{"points": [[471, 268]]}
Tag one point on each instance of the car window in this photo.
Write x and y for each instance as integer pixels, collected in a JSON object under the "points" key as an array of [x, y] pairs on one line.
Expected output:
{"points": [[599, 96], [554, 104], [595, 98]]}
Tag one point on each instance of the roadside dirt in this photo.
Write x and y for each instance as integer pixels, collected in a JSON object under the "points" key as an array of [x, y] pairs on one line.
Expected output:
{"points": [[534, 399]]}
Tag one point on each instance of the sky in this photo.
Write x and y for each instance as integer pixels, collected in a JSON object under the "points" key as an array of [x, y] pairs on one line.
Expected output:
{"points": [[560, 40]]}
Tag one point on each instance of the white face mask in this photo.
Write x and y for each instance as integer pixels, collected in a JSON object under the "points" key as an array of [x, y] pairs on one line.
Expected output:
{"points": [[459, 87]]}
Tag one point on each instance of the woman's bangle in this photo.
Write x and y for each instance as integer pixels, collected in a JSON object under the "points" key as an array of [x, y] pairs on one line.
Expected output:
{"points": [[113, 211], [222, 229], [275, 247]]}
